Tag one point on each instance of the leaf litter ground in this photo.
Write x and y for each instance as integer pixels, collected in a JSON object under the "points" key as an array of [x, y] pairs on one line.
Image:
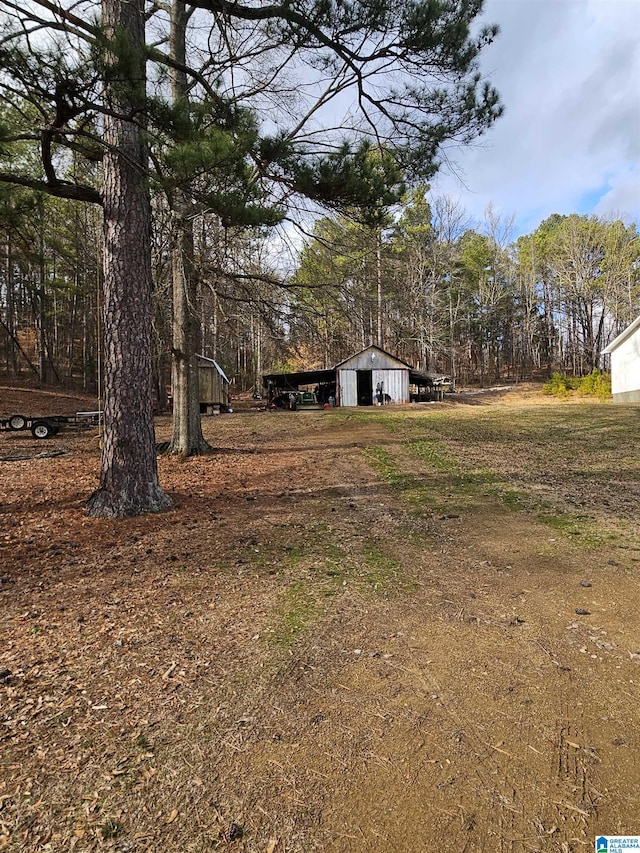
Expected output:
{"points": [[355, 631]]}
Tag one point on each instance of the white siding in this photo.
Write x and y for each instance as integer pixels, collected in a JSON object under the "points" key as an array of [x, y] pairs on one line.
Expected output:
{"points": [[625, 364], [625, 367], [348, 388]]}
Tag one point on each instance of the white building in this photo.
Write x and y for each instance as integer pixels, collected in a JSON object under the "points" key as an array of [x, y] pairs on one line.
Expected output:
{"points": [[625, 364], [368, 373]]}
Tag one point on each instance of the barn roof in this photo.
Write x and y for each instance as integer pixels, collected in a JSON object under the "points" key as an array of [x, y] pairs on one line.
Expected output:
{"points": [[314, 377], [622, 337], [374, 350]]}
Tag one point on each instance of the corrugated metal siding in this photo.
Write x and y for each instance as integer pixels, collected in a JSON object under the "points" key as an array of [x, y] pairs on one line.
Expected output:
{"points": [[364, 361], [395, 384], [348, 385]]}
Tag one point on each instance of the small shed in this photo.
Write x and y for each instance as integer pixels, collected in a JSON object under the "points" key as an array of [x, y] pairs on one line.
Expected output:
{"points": [[214, 386], [625, 364]]}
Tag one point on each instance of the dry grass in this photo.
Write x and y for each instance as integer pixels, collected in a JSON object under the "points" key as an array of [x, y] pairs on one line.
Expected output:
{"points": [[354, 632]]}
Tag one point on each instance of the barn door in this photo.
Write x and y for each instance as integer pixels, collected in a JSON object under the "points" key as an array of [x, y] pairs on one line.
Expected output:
{"points": [[347, 380]]}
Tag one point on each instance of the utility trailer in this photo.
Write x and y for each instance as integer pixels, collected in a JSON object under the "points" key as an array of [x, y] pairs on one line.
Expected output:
{"points": [[45, 426]]}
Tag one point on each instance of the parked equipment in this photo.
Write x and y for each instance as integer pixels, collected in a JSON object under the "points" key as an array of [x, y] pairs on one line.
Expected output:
{"points": [[45, 426]]}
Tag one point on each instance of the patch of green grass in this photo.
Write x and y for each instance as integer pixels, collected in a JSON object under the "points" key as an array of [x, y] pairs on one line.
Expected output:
{"points": [[335, 564], [432, 453], [334, 572], [298, 609], [459, 462], [321, 576], [514, 499], [446, 488], [469, 455], [561, 523], [380, 570], [411, 488], [586, 531], [294, 554]]}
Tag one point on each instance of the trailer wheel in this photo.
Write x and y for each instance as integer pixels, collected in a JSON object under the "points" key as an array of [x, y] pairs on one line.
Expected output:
{"points": [[41, 429], [17, 422]]}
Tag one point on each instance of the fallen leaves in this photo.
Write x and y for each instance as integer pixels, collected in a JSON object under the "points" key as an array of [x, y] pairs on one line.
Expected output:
{"points": [[137, 713]]}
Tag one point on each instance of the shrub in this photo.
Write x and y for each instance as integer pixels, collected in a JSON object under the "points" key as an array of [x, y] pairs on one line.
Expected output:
{"points": [[595, 384], [560, 384]]}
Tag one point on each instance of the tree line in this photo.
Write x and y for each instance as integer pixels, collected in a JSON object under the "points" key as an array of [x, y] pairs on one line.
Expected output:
{"points": [[51, 295], [468, 302], [230, 109], [147, 152]]}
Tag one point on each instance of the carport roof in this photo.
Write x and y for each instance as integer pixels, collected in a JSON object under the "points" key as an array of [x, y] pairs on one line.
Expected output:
{"points": [[302, 377], [423, 379], [316, 377]]}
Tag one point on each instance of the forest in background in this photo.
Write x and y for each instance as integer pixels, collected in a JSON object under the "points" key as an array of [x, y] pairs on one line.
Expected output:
{"points": [[287, 230], [440, 292], [204, 132]]}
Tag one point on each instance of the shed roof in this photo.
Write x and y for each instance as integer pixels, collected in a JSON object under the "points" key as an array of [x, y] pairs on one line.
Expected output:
{"points": [[211, 362], [622, 337]]}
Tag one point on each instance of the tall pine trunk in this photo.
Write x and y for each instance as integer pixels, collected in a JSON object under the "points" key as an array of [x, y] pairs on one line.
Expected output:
{"points": [[129, 475], [380, 323], [12, 363], [187, 439]]}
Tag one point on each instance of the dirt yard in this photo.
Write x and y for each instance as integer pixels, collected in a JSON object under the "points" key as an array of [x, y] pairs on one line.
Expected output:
{"points": [[398, 630]]}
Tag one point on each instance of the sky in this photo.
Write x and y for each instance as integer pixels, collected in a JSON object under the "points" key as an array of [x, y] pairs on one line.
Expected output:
{"points": [[568, 72]]}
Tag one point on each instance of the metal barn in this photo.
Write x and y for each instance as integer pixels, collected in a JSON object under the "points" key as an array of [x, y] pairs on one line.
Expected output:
{"points": [[625, 364], [362, 377]]}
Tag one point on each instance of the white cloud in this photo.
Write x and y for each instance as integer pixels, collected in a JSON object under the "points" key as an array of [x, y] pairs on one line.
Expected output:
{"points": [[621, 197], [569, 75]]}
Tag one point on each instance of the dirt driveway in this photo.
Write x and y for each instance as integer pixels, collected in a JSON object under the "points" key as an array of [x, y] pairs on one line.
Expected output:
{"points": [[402, 630]]}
